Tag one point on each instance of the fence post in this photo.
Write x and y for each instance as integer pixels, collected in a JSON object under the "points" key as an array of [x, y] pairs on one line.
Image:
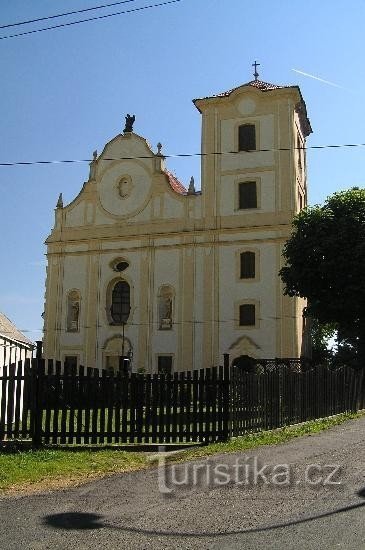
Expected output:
{"points": [[39, 349], [227, 406], [36, 403], [361, 390], [358, 390]]}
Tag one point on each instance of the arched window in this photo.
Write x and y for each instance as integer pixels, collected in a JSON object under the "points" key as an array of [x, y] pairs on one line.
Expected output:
{"points": [[165, 307], [120, 303], [247, 137], [73, 311], [247, 265]]}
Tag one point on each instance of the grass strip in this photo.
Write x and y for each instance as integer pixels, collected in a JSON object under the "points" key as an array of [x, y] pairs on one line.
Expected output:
{"points": [[48, 468], [41, 466], [258, 439]]}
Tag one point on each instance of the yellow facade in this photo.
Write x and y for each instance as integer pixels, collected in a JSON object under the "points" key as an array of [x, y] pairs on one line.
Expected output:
{"points": [[184, 250]]}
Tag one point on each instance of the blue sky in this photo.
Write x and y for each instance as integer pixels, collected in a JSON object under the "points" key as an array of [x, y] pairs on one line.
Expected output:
{"points": [[65, 93]]}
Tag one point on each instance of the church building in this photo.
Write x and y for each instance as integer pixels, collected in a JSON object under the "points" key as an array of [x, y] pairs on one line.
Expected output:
{"points": [[170, 277]]}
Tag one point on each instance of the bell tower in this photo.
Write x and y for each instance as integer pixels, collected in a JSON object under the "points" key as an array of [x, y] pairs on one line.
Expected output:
{"points": [[253, 183]]}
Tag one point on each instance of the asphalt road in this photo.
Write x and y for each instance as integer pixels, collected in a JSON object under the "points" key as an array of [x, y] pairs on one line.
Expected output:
{"points": [[308, 493]]}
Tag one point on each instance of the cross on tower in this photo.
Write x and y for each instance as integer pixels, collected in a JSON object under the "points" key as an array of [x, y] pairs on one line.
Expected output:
{"points": [[255, 74]]}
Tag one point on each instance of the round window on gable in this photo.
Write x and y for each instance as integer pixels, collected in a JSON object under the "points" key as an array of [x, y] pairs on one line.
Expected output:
{"points": [[121, 266]]}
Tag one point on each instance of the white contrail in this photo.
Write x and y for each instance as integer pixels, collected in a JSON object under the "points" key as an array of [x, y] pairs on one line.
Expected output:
{"points": [[317, 78]]}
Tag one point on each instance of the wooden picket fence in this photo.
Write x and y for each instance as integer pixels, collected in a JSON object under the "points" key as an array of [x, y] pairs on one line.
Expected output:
{"points": [[50, 403], [54, 404], [281, 396]]}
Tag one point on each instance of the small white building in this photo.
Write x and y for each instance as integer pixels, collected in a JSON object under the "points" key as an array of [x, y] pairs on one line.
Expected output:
{"points": [[14, 346], [139, 264]]}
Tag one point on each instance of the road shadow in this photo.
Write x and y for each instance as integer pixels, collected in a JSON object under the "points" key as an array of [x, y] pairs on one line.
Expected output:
{"points": [[83, 521], [74, 520]]}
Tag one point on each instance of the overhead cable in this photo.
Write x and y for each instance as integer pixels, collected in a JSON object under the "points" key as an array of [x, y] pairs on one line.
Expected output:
{"points": [[61, 25], [63, 14], [183, 155]]}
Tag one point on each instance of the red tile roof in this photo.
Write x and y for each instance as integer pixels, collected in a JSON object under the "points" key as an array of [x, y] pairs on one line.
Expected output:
{"points": [[175, 184], [263, 86], [267, 87]]}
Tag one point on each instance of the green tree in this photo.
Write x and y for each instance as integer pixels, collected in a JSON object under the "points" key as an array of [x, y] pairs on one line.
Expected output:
{"points": [[320, 335], [325, 263]]}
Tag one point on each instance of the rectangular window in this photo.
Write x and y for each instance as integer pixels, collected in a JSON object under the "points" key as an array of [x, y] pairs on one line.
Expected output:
{"points": [[247, 267], [247, 137], [299, 152], [164, 364], [247, 195], [71, 361], [247, 315]]}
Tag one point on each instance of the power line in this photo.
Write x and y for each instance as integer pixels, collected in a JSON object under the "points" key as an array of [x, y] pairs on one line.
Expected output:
{"points": [[184, 155], [61, 25], [157, 323], [64, 14]]}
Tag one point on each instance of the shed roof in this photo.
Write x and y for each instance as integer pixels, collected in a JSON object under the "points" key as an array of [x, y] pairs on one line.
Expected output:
{"points": [[9, 330]]}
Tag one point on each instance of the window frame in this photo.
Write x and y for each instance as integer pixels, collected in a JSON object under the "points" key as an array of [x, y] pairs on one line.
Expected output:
{"points": [[109, 301], [257, 252], [121, 300], [252, 256], [246, 182], [254, 303], [251, 125]]}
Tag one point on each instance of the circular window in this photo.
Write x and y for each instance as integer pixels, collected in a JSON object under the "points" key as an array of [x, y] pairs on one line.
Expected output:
{"points": [[121, 266]]}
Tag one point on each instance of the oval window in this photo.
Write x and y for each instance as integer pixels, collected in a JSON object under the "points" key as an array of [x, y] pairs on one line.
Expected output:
{"points": [[121, 266]]}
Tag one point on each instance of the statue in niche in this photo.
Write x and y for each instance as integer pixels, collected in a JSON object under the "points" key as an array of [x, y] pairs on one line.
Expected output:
{"points": [[129, 121], [168, 307], [75, 311], [165, 309], [73, 315]]}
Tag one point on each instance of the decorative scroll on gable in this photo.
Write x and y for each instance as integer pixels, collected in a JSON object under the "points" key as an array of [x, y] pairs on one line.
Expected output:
{"points": [[244, 346]]}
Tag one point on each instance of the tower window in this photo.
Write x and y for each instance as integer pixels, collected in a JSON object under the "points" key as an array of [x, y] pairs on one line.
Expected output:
{"points": [[299, 152], [247, 265], [247, 195], [247, 315], [120, 306], [247, 137]]}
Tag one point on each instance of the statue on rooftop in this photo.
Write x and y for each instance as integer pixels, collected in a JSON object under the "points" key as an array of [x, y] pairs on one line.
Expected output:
{"points": [[92, 165], [129, 121], [191, 190]]}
